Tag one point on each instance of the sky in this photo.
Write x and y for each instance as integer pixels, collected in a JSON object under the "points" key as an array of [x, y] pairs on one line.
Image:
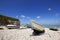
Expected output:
{"points": [[42, 11]]}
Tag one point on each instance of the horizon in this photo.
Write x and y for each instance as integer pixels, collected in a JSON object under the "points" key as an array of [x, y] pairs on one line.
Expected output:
{"points": [[42, 11]]}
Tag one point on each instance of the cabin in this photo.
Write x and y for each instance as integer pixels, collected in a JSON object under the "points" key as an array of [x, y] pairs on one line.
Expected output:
{"points": [[12, 26]]}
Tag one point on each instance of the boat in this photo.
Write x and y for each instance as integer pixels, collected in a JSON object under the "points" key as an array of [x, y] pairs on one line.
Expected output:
{"points": [[37, 28]]}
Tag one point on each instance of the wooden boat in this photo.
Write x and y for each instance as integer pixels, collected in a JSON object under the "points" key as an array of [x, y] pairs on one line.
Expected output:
{"points": [[37, 27]]}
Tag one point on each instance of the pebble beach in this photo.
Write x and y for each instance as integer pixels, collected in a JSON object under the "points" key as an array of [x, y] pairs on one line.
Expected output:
{"points": [[26, 34]]}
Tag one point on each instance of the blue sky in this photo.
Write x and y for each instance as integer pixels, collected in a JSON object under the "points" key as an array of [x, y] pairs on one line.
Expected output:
{"points": [[42, 11]]}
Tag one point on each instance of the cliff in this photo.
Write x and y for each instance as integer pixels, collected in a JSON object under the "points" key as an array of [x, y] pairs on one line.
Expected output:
{"points": [[5, 20]]}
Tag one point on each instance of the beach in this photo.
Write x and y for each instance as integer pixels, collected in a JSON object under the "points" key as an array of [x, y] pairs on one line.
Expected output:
{"points": [[26, 34]]}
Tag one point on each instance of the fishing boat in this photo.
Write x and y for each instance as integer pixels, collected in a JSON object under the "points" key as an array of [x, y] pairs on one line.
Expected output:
{"points": [[37, 28]]}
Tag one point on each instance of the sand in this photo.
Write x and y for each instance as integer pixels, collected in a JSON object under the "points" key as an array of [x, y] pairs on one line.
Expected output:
{"points": [[26, 34]]}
